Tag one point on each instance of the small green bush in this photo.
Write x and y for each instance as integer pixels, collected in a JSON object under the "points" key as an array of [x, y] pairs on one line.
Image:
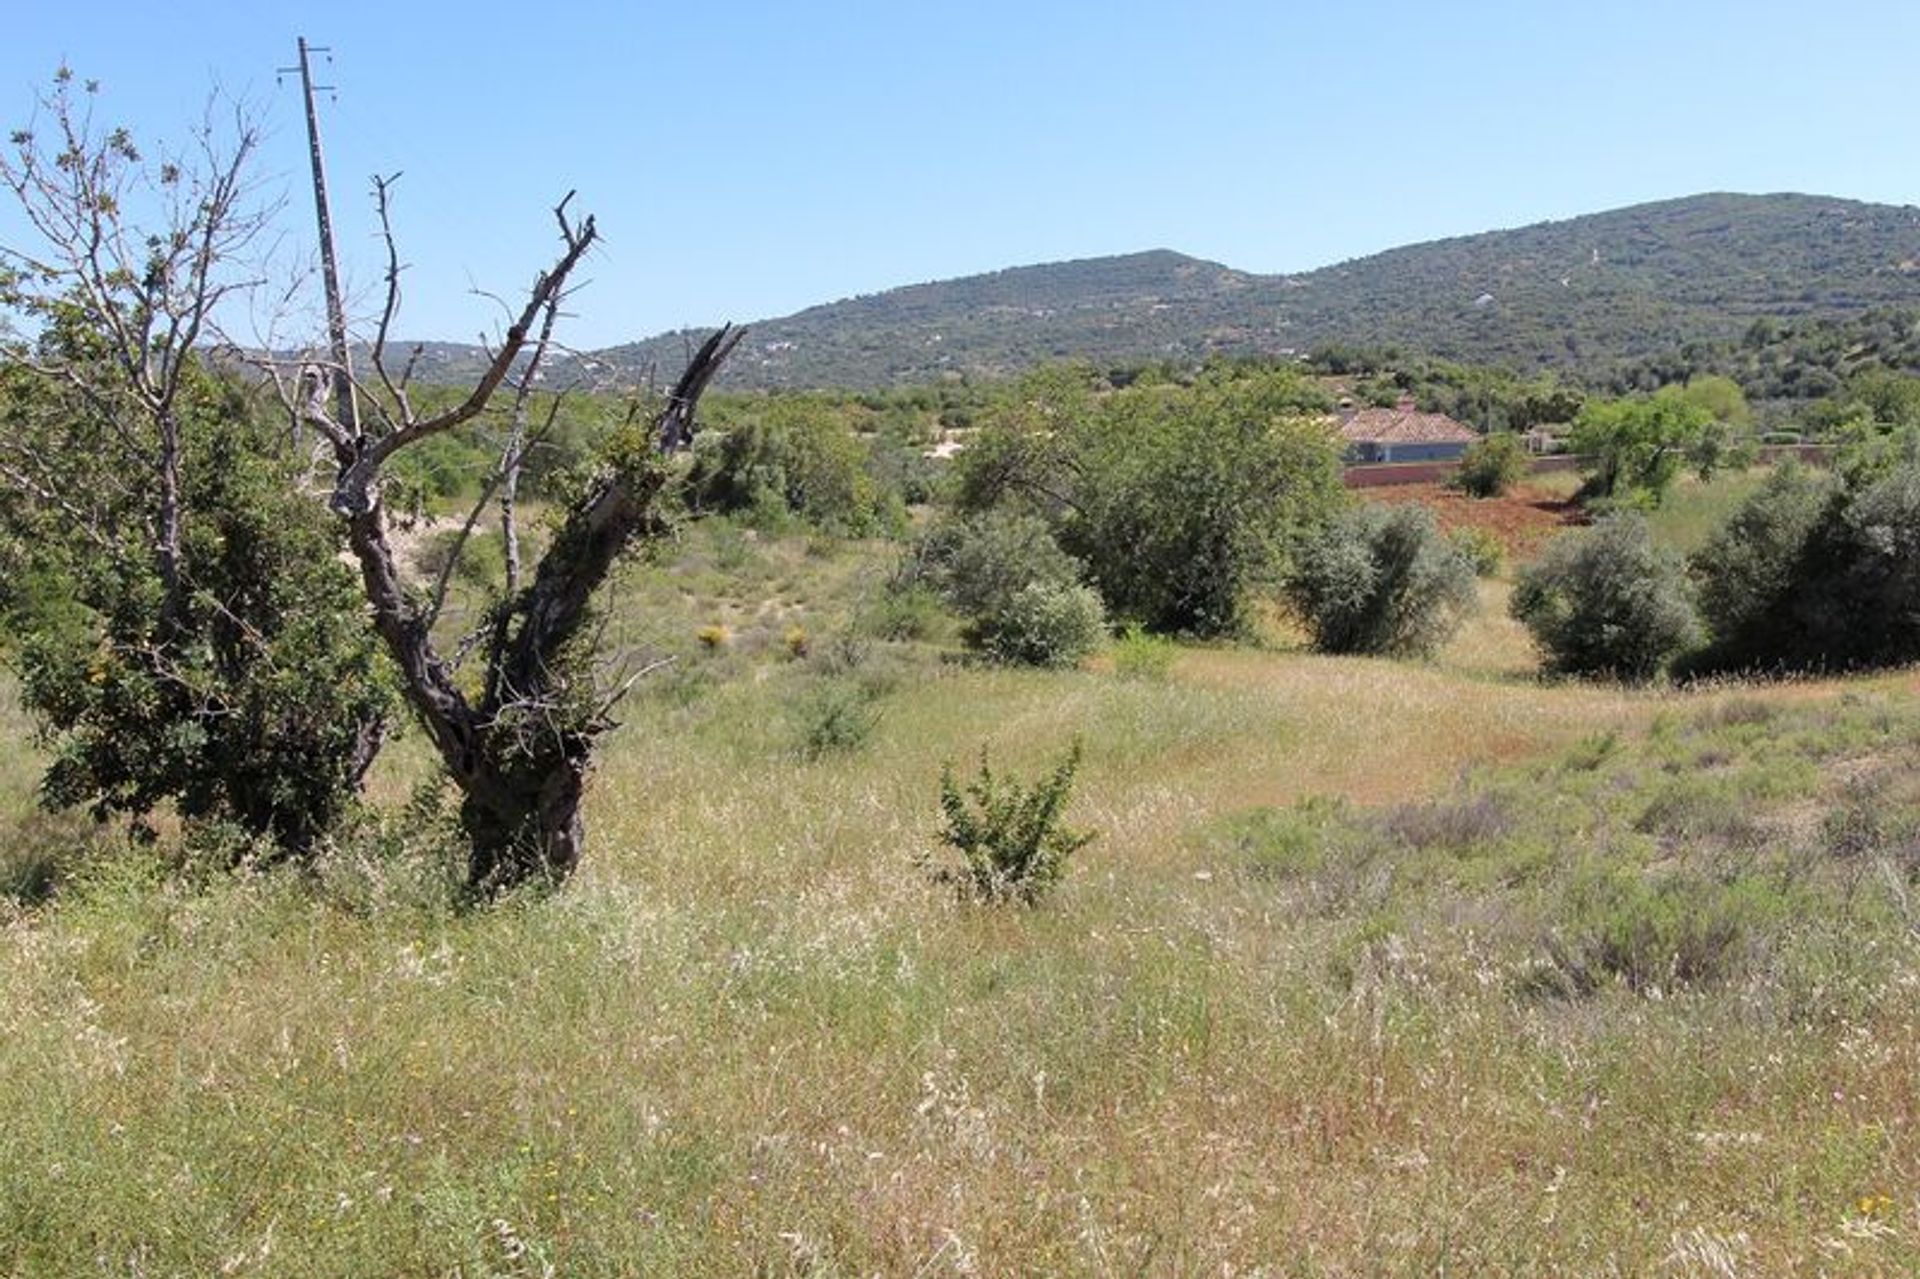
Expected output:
{"points": [[1482, 549], [1044, 624], [1605, 601], [1012, 844], [906, 611], [1491, 465], [834, 716], [1140, 654], [1382, 580], [1020, 593], [1675, 933]]}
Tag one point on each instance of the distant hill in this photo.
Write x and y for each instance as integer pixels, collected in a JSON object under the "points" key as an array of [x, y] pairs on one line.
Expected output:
{"points": [[1586, 295]]}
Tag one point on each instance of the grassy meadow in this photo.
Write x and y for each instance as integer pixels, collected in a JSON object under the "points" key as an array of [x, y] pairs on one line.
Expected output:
{"points": [[1374, 968]]}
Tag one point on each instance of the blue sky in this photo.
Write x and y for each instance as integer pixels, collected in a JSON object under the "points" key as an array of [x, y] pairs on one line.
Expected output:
{"points": [[747, 159]]}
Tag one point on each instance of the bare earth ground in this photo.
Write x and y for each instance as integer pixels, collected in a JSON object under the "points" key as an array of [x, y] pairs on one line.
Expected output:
{"points": [[1524, 518]]}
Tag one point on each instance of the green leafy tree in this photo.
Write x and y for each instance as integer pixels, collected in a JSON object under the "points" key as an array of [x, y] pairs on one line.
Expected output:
{"points": [[257, 696], [1636, 445], [1190, 503], [1723, 439], [1890, 399], [1717, 395], [1184, 503], [182, 625]]}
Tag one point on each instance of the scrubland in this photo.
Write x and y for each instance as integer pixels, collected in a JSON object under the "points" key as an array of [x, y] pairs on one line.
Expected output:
{"points": [[1375, 968]]}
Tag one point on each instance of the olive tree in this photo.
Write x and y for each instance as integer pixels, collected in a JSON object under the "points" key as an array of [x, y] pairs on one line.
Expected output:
{"points": [[519, 740], [1382, 580], [1607, 601]]}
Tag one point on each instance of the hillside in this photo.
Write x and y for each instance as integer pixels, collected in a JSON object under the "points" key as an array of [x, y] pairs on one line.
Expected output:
{"points": [[1591, 291], [1584, 295]]}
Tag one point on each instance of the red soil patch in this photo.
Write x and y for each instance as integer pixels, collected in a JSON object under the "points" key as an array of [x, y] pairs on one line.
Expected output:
{"points": [[1522, 520]]}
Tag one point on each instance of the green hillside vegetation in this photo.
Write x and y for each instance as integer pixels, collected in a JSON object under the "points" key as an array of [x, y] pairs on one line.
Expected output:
{"points": [[1587, 292], [1610, 298]]}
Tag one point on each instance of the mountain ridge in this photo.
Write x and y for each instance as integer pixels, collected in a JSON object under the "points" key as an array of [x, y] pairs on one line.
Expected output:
{"points": [[1579, 295]]}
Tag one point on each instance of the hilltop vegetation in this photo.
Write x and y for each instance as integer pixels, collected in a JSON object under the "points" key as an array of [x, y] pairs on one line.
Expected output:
{"points": [[1587, 296]]}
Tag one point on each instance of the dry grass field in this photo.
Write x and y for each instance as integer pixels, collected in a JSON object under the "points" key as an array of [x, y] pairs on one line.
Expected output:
{"points": [[1373, 969]]}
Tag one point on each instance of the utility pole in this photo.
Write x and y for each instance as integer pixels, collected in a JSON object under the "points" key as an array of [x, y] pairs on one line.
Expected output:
{"points": [[345, 408]]}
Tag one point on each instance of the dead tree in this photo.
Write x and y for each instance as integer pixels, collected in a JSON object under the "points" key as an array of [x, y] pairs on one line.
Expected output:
{"points": [[520, 743]]}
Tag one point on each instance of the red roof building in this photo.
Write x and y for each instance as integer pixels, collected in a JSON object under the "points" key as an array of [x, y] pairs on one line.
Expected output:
{"points": [[1404, 434]]}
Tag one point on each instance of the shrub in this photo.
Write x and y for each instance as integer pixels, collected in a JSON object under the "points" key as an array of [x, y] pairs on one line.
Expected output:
{"points": [[1009, 835], [1020, 593], [1605, 601], [1752, 574], [1140, 654], [1044, 624], [1811, 574], [1382, 580], [1482, 549], [1677, 932], [792, 455], [1491, 465], [833, 717], [1866, 564], [1453, 824], [977, 564]]}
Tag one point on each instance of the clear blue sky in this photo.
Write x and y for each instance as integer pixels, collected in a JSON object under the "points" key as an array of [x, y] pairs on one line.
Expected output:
{"points": [[748, 159]]}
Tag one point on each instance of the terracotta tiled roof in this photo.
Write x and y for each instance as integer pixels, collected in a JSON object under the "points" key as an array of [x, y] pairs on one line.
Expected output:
{"points": [[1405, 426]]}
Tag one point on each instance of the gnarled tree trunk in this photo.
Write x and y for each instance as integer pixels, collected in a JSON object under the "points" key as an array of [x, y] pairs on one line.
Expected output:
{"points": [[521, 754]]}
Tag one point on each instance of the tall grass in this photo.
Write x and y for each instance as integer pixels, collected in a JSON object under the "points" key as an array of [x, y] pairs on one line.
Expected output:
{"points": [[1693, 510], [1244, 1036]]}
